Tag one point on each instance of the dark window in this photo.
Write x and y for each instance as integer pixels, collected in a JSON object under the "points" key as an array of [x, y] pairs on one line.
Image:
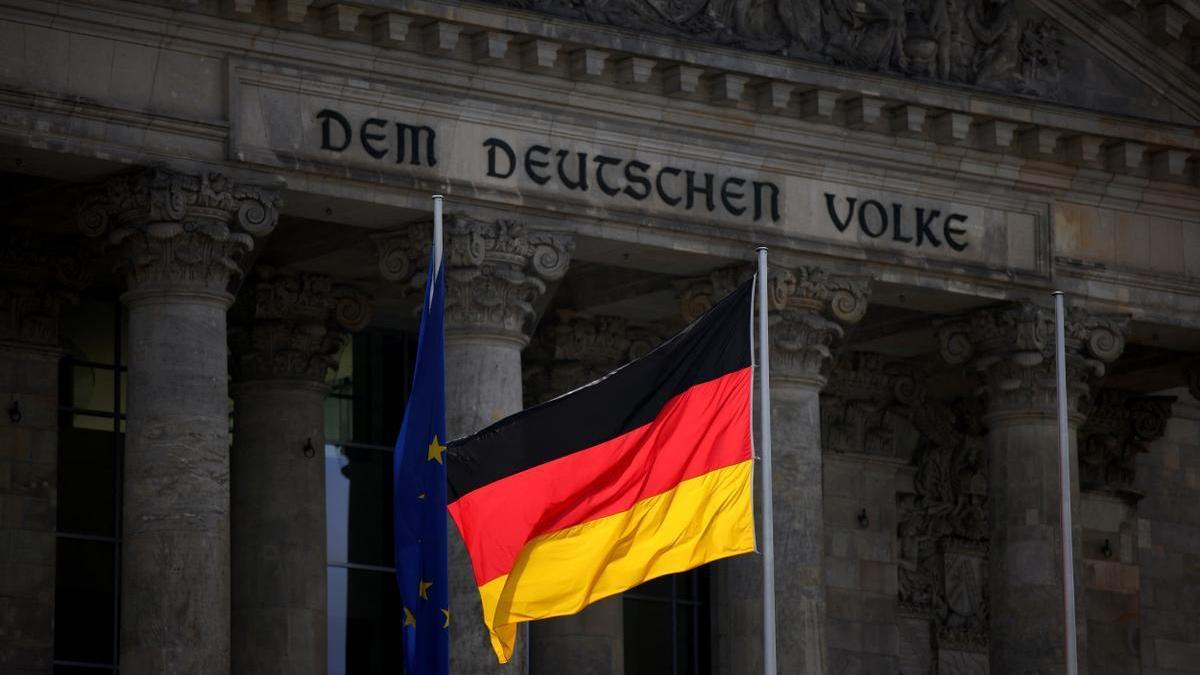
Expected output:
{"points": [[666, 626], [90, 446], [362, 417]]}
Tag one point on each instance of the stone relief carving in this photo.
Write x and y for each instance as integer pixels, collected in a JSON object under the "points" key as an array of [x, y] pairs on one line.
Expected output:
{"points": [[38, 275], [808, 307], [1012, 347], [867, 406], [573, 350], [179, 230], [1120, 425], [994, 44], [292, 326], [943, 533]]}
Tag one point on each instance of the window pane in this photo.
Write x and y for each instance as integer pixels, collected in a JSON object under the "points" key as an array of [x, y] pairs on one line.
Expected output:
{"points": [[364, 622], [358, 505], [647, 637], [92, 388], [655, 588], [87, 331], [86, 482], [84, 600]]}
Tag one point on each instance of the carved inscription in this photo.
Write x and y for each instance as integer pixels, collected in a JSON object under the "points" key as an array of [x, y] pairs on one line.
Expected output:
{"points": [[916, 226], [381, 139], [635, 180]]}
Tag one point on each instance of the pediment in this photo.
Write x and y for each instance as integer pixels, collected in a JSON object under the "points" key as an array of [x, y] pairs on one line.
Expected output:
{"points": [[1047, 49]]}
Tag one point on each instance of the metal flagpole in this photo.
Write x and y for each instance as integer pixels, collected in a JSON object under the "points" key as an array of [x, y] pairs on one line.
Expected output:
{"points": [[1064, 458], [437, 232], [768, 526]]}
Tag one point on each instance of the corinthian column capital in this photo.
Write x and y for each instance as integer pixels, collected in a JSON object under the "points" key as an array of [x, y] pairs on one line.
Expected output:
{"points": [[1120, 425], [495, 273], [37, 275], [573, 350], [177, 232], [808, 309], [292, 326], [1012, 349]]}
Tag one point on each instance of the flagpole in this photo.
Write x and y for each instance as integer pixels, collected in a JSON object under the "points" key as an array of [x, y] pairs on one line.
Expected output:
{"points": [[437, 231], [768, 511], [1064, 458]]}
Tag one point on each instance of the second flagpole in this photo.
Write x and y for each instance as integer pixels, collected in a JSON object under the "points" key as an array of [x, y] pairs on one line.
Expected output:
{"points": [[768, 514]]}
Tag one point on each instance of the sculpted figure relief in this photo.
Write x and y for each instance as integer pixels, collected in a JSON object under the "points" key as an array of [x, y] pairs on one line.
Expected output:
{"points": [[988, 43]]}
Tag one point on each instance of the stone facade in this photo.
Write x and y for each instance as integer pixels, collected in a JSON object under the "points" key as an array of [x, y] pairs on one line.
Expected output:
{"points": [[251, 180]]}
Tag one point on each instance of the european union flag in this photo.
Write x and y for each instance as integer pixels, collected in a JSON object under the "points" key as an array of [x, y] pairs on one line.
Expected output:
{"points": [[419, 480]]}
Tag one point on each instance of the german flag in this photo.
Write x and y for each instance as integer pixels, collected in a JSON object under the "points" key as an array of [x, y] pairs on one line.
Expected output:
{"points": [[644, 472]]}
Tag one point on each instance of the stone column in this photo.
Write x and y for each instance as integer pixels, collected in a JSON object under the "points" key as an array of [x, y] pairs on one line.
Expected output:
{"points": [[496, 273], [808, 307], [286, 334], [1012, 350], [1120, 426], [178, 238], [29, 308], [569, 353]]}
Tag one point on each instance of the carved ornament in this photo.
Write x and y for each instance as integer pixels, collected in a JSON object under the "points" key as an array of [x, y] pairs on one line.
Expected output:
{"points": [[1120, 425], [991, 44], [574, 350], [867, 406], [292, 326], [38, 274], [176, 231], [1012, 349]]}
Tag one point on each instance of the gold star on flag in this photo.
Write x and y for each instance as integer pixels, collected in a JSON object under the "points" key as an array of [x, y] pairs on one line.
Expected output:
{"points": [[409, 619], [436, 449], [422, 588], [447, 613]]}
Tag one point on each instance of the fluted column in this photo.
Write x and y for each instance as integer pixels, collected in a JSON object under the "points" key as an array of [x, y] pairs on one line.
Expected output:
{"points": [[496, 271], [808, 309], [286, 332], [32, 290], [178, 238], [568, 353], [1012, 351]]}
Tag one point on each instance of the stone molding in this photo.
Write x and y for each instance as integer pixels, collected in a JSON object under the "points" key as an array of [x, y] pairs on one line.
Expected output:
{"points": [[821, 95], [1012, 349], [868, 405], [1120, 425], [1193, 377], [573, 350], [177, 232], [292, 326], [808, 307]]}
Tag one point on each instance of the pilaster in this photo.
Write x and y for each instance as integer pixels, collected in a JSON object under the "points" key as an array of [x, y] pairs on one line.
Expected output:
{"points": [[286, 332], [35, 281], [177, 238], [809, 308], [1011, 350], [1120, 426]]}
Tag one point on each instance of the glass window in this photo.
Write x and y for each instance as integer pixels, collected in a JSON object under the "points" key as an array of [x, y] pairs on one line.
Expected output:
{"points": [[670, 610], [90, 447], [362, 417]]}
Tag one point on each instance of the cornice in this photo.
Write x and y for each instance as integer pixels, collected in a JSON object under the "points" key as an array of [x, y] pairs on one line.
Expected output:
{"points": [[956, 118]]}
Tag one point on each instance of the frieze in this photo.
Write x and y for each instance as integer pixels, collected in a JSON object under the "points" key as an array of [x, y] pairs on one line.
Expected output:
{"points": [[991, 44]]}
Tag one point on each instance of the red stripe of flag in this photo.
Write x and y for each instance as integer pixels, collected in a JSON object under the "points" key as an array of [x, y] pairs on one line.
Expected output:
{"points": [[706, 427]]}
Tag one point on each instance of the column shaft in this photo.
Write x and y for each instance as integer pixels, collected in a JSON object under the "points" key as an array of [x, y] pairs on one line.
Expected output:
{"points": [[1025, 580], [278, 507], [175, 539]]}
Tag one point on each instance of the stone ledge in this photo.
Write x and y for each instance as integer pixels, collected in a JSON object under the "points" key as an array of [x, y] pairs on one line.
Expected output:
{"points": [[728, 78]]}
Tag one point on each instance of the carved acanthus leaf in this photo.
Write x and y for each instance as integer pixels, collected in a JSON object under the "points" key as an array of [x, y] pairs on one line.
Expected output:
{"points": [[175, 230], [1120, 425], [868, 404], [292, 326], [1012, 348]]}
